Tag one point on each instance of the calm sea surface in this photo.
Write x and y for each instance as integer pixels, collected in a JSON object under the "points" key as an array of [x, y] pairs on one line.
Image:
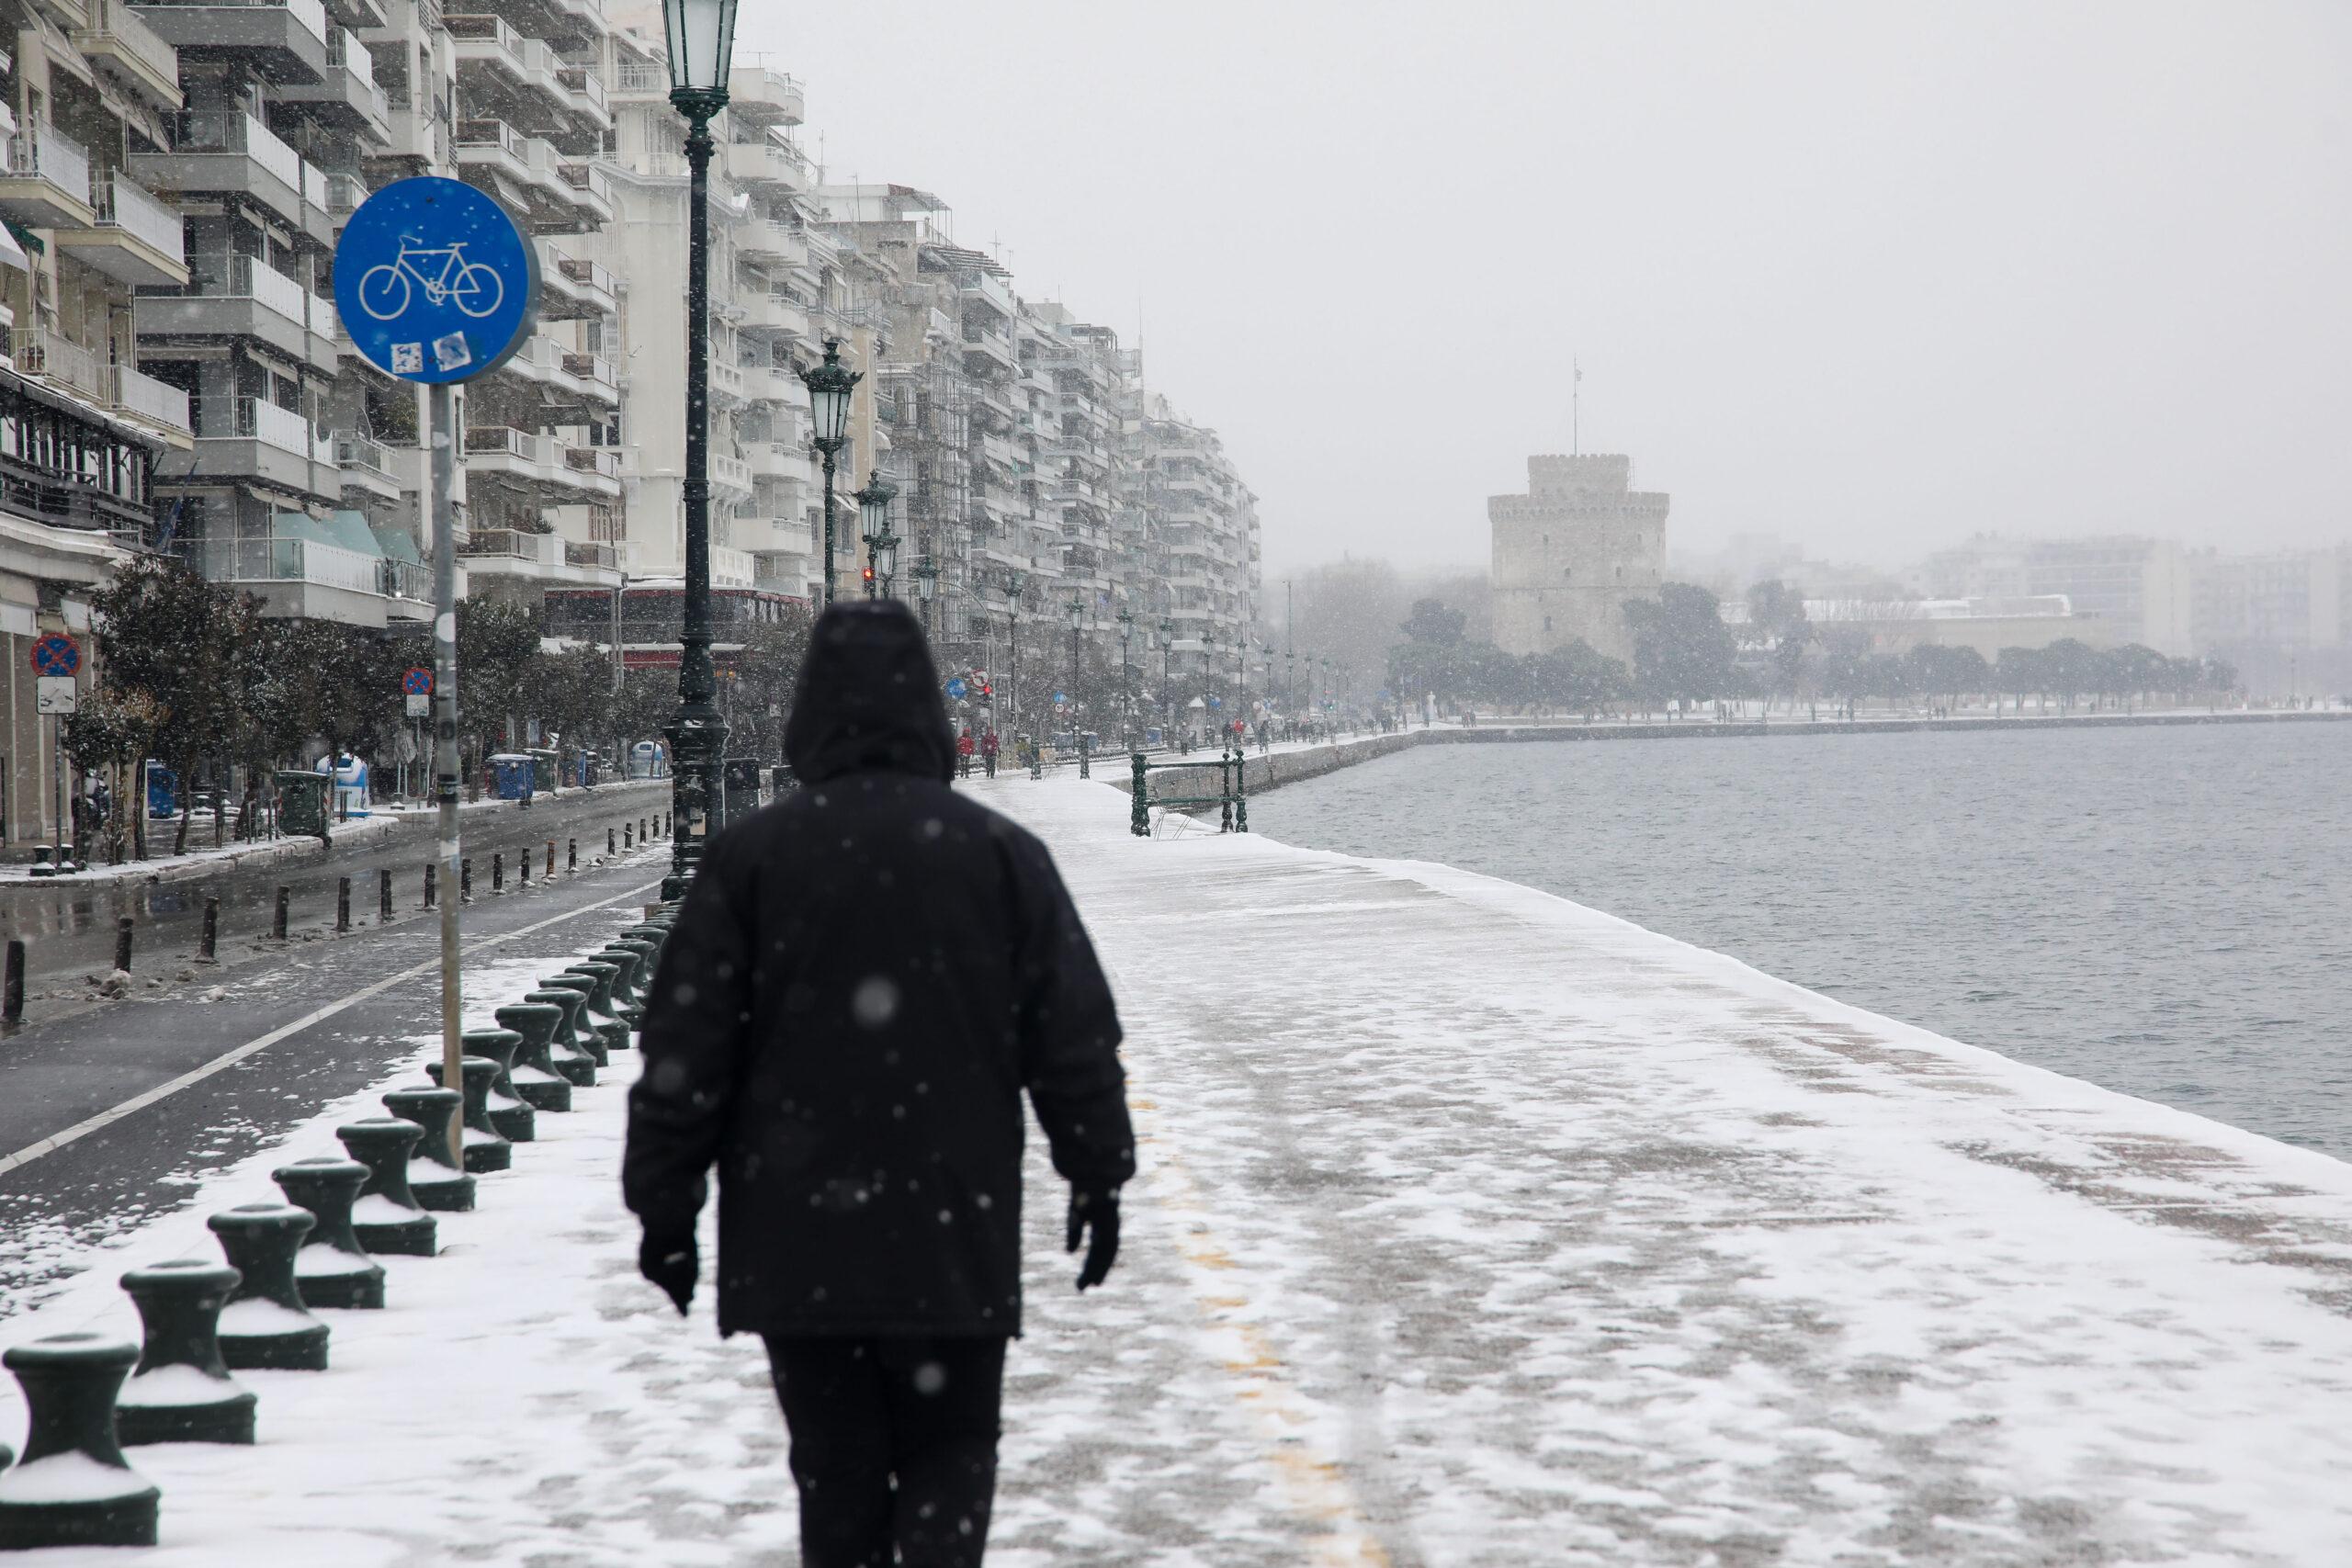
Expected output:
{"points": [[2165, 912]]}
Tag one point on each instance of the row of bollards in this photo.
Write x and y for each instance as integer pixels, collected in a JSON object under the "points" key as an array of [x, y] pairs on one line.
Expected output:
{"points": [[89, 1394], [12, 985]]}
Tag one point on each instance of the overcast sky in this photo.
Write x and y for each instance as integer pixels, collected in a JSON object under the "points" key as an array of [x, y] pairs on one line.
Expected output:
{"points": [[1869, 275]]}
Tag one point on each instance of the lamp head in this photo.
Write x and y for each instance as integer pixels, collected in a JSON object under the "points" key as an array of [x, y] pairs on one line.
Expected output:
{"points": [[830, 385], [701, 35]]}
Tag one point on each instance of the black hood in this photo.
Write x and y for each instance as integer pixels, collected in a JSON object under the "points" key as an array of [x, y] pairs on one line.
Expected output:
{"points": [[869, 698]]}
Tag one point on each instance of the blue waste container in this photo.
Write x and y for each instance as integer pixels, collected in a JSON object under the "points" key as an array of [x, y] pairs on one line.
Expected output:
{"points": [[514, 773]]}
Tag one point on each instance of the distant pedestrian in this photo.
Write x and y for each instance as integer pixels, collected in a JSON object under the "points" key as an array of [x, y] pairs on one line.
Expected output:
{"points": [[964, 753], [863, 981], [989, 750]]}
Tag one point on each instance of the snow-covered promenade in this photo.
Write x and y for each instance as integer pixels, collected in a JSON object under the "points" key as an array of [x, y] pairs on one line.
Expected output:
{"points": [[1474, 1227]]}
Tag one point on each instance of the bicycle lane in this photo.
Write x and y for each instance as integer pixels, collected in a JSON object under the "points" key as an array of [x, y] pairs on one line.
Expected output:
{"points": [[111, 1116]]}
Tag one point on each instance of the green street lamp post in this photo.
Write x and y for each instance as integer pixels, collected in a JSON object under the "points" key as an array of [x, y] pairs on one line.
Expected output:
{"points": [[1077, 732], [830, 386], [701, 35], [1209, 666], [881, 544], [926, 588], [1016, 584], [1167, 692], [1128, 679]]}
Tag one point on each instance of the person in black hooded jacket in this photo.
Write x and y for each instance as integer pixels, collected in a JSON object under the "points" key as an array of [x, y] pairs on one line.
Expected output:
{"points": [[861, 983]]}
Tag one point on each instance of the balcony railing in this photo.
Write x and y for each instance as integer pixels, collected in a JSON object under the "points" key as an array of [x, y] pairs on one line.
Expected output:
{"points": [[142, 394], [113, 20], [632, 77], [485, 30], [600, 460], [233, 130], [587, 274], [344, 193], [494, 133], [513, 543], [123, 205], [59, 359], [587, 178], [258, 419], [584, 83], [310, 13], [291, 560], [606, 557], [46, 153], [352, 450], [500, 440], [593, 368]]}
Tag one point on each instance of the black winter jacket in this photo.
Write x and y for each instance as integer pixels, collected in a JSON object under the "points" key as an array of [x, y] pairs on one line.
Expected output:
{"points": [[862, 979]]}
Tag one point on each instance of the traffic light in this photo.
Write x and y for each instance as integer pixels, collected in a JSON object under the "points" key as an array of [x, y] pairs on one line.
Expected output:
{"points": [[870, 577]]}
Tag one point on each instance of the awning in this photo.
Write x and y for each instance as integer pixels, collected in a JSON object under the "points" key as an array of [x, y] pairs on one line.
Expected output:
{"points": [[12, 254]]}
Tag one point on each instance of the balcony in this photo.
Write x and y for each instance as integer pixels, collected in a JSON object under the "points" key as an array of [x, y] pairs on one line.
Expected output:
{"points": [[778, 314], [285, 41], [573, 383], [236, 296], [559, 473], [120, 46], [539, 558], [136, 238], [349, 97], [47, 183], [591, 192], [257, 440], [759, 96], [159, 405], [367, 466], [59, 359], [770, 160], [636, 79], [573, 288], [770, 242], [315, 582], [730, 474], [586, 91], [231, 151]]}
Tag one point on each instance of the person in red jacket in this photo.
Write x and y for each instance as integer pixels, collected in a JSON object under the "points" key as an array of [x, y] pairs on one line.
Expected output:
{"points": [[988, 751], [964, 753]]}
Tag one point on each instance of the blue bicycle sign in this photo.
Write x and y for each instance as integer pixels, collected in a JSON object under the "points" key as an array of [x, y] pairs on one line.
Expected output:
{"points": [[435, 280], [385, 289]]}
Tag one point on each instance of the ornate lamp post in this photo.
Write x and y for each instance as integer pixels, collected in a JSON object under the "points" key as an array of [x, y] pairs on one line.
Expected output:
{"points": [[1167, 693], [926, 587], [1016, 583], [1128, 679], [830, 386], [701, 35], [1208, 664], [881, 546], [1077, 622]]}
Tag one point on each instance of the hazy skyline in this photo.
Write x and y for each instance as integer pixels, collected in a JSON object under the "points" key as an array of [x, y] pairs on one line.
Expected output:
{"points": [[1872, 277]]}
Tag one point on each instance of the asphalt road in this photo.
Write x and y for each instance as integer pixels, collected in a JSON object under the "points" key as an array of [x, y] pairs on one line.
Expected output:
{"points": [[68, 926], [58, 1074]]}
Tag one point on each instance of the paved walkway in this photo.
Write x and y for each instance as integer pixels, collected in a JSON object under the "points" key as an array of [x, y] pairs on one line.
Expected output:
{"points": [[1474, 1229]]}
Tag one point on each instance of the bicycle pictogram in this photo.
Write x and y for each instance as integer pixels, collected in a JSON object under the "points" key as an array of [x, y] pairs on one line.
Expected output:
{"points": [[387, 288]]}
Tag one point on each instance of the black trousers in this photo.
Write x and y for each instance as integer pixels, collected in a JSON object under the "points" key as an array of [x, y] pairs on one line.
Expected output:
{"points": [[893, 1446]]}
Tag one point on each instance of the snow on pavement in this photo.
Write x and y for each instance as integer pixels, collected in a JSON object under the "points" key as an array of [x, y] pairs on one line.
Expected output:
{"points": [[1474, 1227]]}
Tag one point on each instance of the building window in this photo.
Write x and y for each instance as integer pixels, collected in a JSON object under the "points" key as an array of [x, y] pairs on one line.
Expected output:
{"points": [[1621, 574], [1566, 572], [1547, 622]]}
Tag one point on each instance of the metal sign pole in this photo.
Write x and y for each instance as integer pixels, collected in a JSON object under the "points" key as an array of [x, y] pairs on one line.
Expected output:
{"points": [[445, 736], [436, 283]]}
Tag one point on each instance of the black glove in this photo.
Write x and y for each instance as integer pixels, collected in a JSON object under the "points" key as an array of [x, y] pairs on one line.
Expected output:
{"points": [[1098, 1208], [668, 1259]]}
